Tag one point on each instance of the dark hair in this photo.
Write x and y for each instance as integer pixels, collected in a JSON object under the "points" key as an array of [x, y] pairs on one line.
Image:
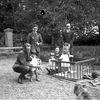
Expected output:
{"points": [[25, 45], [35, 25], [57, 47]]}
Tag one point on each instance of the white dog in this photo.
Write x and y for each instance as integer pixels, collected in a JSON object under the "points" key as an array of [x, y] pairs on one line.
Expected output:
{"points": [[36, 63]]}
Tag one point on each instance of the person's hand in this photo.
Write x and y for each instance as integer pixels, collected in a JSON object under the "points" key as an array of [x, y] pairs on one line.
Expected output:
{"points": [[40, 43], [37, 43], [31, 66], [71, 56], [60, 59]]}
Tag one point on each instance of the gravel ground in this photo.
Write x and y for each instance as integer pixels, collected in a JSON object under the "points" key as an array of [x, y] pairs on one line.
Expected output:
{"points": [[49, 88]]}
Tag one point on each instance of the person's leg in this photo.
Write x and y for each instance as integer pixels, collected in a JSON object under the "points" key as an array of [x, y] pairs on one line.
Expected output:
{"points": [[22, 77], [31, 72], [38, 52], [37, 75], [23, 70]]}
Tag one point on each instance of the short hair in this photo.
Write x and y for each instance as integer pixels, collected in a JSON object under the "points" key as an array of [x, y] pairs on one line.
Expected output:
{"points": [[35, 25], [66, 44], [57, 47], [25, 45], [68, 24]]}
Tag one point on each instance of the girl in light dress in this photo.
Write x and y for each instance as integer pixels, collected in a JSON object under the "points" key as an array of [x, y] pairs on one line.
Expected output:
{"points": [[65, 57]]}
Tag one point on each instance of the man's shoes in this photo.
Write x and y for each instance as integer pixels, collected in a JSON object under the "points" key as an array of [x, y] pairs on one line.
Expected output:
{"points": [[31, 80], [20, 81], [48, 70]]}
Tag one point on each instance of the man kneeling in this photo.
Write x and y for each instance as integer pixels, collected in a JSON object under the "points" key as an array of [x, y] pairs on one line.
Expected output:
{"points": [[22, 64]]}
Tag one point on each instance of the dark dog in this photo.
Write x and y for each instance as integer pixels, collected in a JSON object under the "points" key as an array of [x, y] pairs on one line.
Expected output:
{"points": [[82, 93]]}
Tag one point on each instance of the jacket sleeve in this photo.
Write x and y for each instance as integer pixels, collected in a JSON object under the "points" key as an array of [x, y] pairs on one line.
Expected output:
{"points": [[28, 39], [22, 60], [40, 38], [61, 57]]}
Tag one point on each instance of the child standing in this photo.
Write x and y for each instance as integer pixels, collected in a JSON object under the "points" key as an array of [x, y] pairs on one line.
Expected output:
{"points": [[34, 70], [57, 53], [51, 64], [65, 57]]}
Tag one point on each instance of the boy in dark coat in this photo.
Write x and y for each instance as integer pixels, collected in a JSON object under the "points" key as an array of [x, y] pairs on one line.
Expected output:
{"points": [[35, 39]]}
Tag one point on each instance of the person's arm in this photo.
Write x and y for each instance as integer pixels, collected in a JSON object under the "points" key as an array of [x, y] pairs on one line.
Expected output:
{"points": [[50, 63], [23, 61], [61, 57], [63, 37], [40, 38], [71, 56], [28, 39]]}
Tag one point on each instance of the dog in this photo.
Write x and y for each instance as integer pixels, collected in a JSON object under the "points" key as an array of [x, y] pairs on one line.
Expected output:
{"points": [[82, 93], [36, 66]]}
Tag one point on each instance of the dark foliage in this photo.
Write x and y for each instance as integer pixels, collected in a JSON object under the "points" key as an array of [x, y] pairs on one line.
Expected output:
{"points": [[51, 16]]}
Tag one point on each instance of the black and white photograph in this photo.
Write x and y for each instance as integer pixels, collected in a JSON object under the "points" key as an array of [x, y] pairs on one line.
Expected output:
{"points": [[49, 49]]}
